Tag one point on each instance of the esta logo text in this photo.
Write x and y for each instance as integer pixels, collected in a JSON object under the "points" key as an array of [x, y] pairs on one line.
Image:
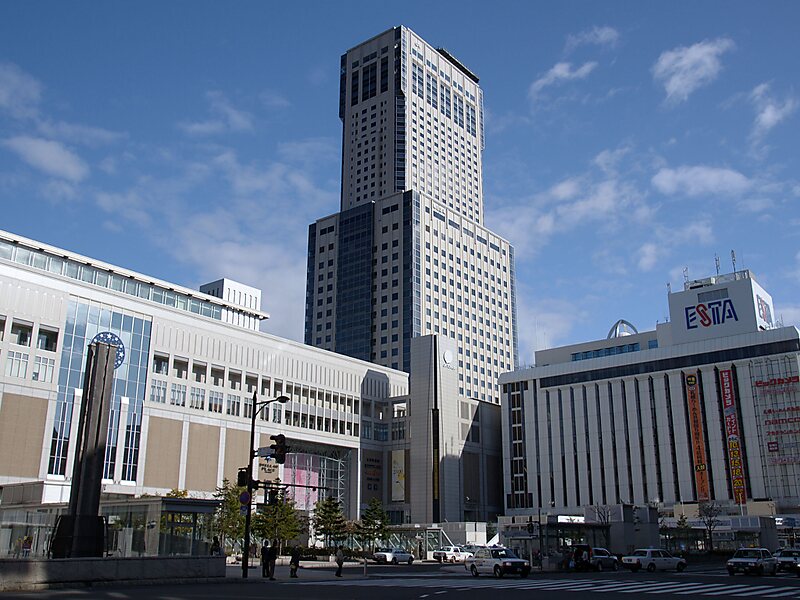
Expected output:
{"points": [[715, 312]]}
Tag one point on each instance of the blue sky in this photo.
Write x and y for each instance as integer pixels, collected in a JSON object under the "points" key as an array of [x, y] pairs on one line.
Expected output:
{"points": [[625, 141]]}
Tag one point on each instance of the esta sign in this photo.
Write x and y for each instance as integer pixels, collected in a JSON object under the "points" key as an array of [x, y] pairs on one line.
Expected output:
{"points": [[716, 312]]}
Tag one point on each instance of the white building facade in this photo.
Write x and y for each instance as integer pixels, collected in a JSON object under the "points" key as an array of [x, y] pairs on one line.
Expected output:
{"points": [[705, 408]]}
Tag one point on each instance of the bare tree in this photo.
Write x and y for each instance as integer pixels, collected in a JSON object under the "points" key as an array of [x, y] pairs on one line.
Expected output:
{"points": [[709, 513]]}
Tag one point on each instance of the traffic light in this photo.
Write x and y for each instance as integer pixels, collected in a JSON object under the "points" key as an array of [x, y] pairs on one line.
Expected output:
{"points": [[530, 528], [273, 497], [278, 448], [242, 477]]}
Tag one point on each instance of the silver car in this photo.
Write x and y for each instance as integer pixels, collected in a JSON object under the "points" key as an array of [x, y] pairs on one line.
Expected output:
{"points": [[652, 559], [788, 559], [392, 555]]}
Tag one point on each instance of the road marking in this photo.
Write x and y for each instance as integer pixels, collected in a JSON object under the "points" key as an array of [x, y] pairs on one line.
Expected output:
{"points": [[730, 590], [757, 591], [796, 592]]}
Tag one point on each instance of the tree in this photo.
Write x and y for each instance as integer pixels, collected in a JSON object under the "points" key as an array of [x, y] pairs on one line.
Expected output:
{"points": [[374, 524], [228, 519], [279, 521], [683, 527], [328, 520], [176, 493], [709, 513]]}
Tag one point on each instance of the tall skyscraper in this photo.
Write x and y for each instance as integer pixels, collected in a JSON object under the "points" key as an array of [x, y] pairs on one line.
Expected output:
{"points": [[408, 255]]}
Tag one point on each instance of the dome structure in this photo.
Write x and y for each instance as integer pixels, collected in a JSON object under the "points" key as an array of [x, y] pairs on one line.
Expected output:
{"points": [[621, 328]]}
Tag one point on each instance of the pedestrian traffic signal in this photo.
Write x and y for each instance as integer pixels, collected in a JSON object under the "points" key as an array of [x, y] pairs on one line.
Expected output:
{"points": [[530, 528], [241, 477], [273, 497], [278, 448]]}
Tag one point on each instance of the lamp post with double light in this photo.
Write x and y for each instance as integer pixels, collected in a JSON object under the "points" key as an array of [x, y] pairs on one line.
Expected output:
{"points": [[251, 454]]}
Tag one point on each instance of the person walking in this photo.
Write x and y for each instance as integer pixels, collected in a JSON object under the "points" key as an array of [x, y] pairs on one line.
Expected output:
{"points": [[272, 557], [294, 561], [339, 561], [215, 548]]}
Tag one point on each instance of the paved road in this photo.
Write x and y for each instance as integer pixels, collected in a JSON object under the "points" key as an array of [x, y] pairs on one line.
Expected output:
{"points": [[437, 582]]}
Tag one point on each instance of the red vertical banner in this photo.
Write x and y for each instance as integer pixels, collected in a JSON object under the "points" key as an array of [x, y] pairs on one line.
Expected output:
{"points": [[698, 439], [735, 459]]}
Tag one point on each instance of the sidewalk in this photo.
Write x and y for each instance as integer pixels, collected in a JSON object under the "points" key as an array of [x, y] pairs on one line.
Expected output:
{"points": [[309, 570]]}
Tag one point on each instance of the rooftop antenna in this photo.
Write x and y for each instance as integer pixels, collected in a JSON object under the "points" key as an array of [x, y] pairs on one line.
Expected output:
{"points": [[733, 260], [685, 274], [716, 262]]}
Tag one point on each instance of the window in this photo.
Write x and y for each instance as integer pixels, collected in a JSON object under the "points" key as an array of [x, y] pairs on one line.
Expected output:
{"points": [[158, 391], [21, 334], [47, 340], [160, 365], [177, 395], [17, 364], [197, 399], [43, 369], [180, 368], [215, 402], [233, 405]]}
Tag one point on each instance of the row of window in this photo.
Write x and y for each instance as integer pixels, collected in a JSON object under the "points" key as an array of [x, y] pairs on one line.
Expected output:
{"points": [[242, 406], [107, 279], [17, 366]]}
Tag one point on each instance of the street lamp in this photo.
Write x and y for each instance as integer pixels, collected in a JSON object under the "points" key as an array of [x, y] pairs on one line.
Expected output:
{"points": [[257, 407]]}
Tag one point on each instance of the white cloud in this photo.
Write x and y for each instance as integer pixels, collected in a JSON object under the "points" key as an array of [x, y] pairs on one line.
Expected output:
{"points": [[648, 256], [560, 73], [129, 206], [49, 157], [700, 181], [769, 112], [79, 134], [228, 118], [272, 99], [684, 69], [755, 205], [597, 36], [565, 190], [19, 92]]}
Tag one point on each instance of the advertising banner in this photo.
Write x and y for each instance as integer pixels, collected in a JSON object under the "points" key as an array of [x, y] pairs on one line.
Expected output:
{"points": [[398, 475], [735, 458], [698, 439]]}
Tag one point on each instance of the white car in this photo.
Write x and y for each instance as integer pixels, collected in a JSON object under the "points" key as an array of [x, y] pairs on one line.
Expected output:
{"points": [[752, 560], [652, 559], [392, 555], [451, 554], [788, 559], [498, 562]]}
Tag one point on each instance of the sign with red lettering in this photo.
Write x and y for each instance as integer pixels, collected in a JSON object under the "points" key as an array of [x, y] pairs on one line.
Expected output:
{"points": [[735, 458], [698, 440]]}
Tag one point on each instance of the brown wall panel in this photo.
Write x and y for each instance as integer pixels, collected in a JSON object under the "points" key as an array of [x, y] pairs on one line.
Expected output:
{"points": [[22, 425], [236, 441], [202, 457], [163, 453]]}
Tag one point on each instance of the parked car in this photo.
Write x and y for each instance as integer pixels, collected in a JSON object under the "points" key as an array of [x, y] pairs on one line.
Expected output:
{"points": [[451, 554], [653, 559], [598, 558], [752, 560], [392, 555], [788, 559], [497, 561]]}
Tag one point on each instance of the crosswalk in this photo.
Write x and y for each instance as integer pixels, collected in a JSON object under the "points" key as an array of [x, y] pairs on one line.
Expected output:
{"points": [[638, 587]]}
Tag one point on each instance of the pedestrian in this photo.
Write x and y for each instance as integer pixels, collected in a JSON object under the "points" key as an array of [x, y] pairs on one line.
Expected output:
{"points": [[294, 561], [264, 556], [339, 561], [215, 549], [272, 556]]}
